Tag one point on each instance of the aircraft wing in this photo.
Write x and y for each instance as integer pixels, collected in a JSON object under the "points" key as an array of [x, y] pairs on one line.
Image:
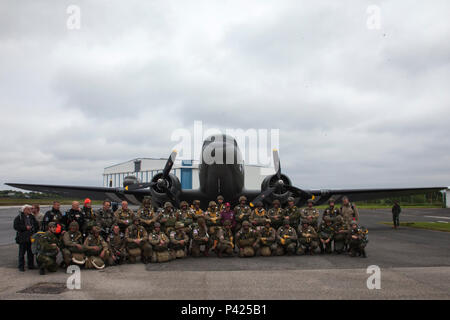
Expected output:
{"points": [[94, 193], [368, 194]]}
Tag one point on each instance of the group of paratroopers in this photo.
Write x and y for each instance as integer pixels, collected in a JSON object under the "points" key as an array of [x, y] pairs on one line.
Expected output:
{"points": [[96, 239]]}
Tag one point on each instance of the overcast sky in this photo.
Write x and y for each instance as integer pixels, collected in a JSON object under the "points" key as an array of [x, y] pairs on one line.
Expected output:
{"points": [[356, 107]]}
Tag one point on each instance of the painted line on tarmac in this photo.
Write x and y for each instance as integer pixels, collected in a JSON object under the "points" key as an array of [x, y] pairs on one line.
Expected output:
{"points": [[437, 217]]}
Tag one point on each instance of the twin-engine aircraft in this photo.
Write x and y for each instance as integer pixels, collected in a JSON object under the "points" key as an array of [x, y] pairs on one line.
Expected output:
{"points": [[223, 177]]}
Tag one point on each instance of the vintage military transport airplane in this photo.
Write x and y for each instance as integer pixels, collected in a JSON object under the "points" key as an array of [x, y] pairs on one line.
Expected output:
{"points": [[217, 177]]}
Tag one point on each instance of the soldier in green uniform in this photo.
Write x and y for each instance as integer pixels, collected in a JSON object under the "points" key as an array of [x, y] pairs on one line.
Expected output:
{"points": [[136, 238], [220, 203], [212, 218], [179, 241], [73, 245], [267, 245], [341, 231], [357, 240], [308, 240], [49, 248], [124, 216], [198, 212], [293, 212], [160, 244], [105, 219], [242, 212], [146, 214], [348, 211], [332, 212], [116, 242], [200, 238], [286, 238], [90, 219], [186, 216], [167, 218], [312, 212], [247, 240], [276, 214], [326, 233], [226, 240], [97, 250], [259, 216]]}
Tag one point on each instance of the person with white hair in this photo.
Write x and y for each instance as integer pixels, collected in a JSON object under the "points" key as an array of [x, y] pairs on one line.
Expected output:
{"points": [[25, 225]]}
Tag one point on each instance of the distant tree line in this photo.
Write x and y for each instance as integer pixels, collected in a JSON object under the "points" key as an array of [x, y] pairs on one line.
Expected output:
{"points": [[27, 195], [431, 198]]}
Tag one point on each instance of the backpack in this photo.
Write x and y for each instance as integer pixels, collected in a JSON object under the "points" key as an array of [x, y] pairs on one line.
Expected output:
{"points": [[36, 242]]}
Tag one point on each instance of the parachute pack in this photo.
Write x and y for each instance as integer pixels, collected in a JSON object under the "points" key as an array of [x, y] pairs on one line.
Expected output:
{"points": [[36, 242]]}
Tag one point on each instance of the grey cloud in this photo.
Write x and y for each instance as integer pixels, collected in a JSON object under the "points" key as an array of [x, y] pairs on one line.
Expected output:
{"points": [[355, 107]]}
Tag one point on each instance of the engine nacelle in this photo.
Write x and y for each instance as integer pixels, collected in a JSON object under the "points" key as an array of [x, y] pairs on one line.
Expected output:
{"points": [[280, 193], [158, 191]]}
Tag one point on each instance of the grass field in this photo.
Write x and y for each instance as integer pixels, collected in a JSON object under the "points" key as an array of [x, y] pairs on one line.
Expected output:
{"points": [[437, 226]]}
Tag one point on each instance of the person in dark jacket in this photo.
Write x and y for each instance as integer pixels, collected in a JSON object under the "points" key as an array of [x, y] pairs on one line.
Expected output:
{"points": [[53, 215], [26, 225], [75, 214], [396, 209]]}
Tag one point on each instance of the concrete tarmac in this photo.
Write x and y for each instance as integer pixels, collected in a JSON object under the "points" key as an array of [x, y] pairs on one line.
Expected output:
{"points": [[414, 263]]}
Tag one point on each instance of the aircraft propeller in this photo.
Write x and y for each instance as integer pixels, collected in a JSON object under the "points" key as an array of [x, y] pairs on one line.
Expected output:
{"points": [[162, 182], [280, 186]]}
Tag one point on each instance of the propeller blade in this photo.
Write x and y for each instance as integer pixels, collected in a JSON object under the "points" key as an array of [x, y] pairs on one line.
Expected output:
{"points": [[169, 164], [276, 163]]}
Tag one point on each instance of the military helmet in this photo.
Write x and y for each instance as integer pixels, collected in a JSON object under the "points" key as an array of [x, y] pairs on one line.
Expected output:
{"points": [[74, 224], [267, 221], [95, 229], [52, 224], [286, 220], [327, 219], [147, 200], [136, 218], [291, 199], [259, 204], [196, 202], [183, 203], [310, 201], [227, 223], [220, 198], [331, 200], [179, 225], [212, 204], [353, 223], [168, 204], [276, 201], [245, 223], [242, 198], [157, 225], [339, 219]]}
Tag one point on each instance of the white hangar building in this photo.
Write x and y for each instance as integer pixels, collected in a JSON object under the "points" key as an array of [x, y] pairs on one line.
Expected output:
{"points": [[186, 170]]}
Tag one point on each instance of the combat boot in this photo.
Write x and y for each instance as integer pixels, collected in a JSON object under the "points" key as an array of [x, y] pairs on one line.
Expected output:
{"points": [[42, 271], [363, 253]]}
